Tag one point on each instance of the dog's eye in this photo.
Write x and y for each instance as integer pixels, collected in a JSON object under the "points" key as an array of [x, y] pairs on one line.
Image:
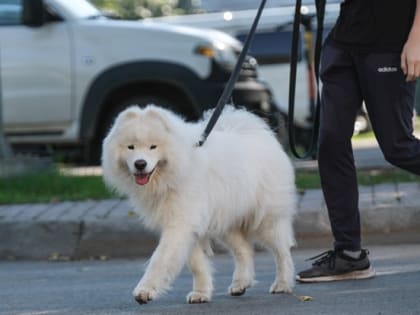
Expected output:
{"points": [[130, 147], [153, 146]]}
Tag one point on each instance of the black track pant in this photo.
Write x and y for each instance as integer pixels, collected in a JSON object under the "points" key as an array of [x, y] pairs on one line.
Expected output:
{"points": [[348, 80]]}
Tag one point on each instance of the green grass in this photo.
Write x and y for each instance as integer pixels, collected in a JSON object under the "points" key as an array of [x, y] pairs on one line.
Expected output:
{"points": [[311, 180], [54, 187], [364, 135], [51, 187]]}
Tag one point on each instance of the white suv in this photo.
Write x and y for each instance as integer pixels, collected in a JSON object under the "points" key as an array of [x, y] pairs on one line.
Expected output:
{"points": [[66, 71]]}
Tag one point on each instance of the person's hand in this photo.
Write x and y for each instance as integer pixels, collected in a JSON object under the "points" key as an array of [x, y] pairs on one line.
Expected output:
{"points": [[410, 57]]}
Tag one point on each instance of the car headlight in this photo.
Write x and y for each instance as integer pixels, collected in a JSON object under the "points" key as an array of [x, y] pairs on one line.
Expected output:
{"points": [[222, 53]]}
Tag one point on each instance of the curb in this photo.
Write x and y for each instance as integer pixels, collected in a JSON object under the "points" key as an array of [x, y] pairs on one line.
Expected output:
{"points": [[110, 230]]}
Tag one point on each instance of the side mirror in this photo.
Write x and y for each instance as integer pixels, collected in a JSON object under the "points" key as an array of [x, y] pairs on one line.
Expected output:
{"points": [[33, 13]]}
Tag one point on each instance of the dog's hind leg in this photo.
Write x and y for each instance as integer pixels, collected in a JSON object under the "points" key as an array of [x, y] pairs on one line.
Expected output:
{"points": [[277, 236], [200, 267], [243, 276]]}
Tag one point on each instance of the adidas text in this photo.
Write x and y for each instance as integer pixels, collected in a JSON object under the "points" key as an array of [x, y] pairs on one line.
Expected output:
{"points": [[388, 69]]}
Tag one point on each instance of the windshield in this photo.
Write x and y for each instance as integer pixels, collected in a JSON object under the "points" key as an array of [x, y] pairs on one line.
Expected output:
{"points": [[79, 9]]}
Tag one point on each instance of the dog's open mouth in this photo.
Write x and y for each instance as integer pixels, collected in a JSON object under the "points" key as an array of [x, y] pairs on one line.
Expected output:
{"points": [[142, 178]]}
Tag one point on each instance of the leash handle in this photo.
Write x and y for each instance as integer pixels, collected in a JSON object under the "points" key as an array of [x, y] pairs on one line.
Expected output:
{"points": [[232, 79], [320, 13]]}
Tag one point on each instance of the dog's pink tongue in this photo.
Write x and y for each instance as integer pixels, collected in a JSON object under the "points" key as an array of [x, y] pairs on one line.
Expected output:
{"points": [[142, 179]]}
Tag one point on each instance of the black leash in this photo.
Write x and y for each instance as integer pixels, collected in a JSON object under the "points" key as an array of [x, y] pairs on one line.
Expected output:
{"points": [[233, 78], [320, 13]]}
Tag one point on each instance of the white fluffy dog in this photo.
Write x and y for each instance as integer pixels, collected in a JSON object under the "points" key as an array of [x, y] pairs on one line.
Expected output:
{"points": [[238, 187]]}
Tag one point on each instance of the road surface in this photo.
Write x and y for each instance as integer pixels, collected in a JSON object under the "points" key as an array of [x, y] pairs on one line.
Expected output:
{"points": [[104, 287]]}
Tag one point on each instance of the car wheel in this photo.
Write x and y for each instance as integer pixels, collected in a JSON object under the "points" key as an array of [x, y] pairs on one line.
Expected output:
{"points": [[278, 123]]}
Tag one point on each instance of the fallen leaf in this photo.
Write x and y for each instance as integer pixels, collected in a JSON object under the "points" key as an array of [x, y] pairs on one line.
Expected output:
{"points": [[132, 213], [305, 298]]}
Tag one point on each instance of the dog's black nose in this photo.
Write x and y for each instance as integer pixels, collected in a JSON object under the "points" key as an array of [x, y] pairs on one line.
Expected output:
{"points": [[140, 164]]}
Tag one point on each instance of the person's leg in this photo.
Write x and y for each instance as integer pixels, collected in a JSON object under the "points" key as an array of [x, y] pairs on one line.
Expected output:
{"points": [[341, 100], [390, 105]]}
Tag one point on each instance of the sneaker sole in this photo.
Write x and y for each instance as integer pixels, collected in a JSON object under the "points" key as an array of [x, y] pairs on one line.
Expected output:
{"points": [[354, 275]]}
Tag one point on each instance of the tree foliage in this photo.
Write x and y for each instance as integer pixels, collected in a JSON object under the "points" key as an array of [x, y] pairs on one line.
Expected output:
{"points": [[140, 9]]}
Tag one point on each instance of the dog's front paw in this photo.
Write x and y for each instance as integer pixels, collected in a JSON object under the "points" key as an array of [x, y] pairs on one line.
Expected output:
{"points": [[280, 287], [143, 295], [239, 287], [198, 297]]}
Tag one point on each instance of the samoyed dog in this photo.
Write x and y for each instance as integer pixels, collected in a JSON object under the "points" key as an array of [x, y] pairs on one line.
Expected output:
{"points": [[238, 187]]}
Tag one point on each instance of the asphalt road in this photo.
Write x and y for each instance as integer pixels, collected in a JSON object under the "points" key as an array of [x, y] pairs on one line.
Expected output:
{"points": [[104, 287]]}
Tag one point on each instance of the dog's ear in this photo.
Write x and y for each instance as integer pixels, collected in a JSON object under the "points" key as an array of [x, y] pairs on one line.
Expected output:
{"points": [[126, 115], [129, 113], [159, 115]]}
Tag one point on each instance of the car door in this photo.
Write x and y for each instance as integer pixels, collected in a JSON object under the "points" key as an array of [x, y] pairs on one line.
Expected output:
{"points": [[35, 73]]}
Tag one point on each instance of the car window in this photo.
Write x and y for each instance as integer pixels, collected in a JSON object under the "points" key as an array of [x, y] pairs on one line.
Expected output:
{"points": [[10, 12], [271, 46], [233, 5]]}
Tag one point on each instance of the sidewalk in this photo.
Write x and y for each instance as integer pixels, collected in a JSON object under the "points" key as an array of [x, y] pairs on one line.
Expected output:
{"points": [[390, 214]]}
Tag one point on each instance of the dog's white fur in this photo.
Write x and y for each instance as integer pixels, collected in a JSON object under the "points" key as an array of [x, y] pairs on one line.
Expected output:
{"points": [[238, 187]]}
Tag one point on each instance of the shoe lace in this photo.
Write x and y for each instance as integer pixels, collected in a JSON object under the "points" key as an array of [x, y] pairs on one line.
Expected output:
{"points": [[327, 257]]}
